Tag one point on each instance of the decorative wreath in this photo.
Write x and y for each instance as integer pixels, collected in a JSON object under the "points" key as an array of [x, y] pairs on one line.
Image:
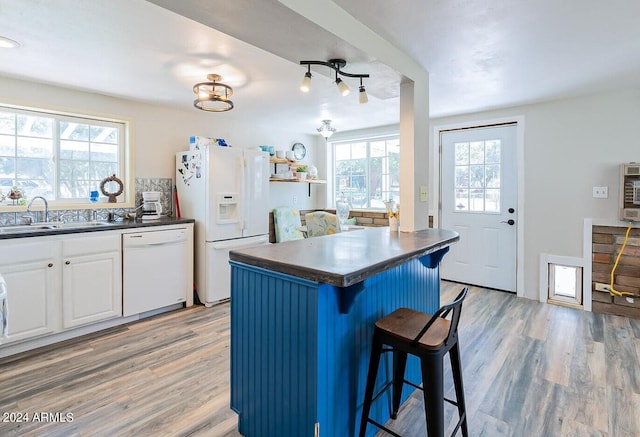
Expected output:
{"points": [[112, 196]]}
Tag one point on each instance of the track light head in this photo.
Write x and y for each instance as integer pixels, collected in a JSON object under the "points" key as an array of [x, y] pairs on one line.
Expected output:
{"points": [[343, 87], [362, 95], [305, 86]]}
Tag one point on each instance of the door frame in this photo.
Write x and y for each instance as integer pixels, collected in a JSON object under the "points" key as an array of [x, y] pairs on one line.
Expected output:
{"points": [[436, 166]]}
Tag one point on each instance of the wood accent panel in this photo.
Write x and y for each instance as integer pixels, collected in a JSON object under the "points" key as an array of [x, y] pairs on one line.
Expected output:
{"points": [[169, 375], [607, 243]]}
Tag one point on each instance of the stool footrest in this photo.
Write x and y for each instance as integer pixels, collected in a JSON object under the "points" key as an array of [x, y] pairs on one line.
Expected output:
{"points": [[382, 390], [373, 422], [463, 417], [452, 402]]}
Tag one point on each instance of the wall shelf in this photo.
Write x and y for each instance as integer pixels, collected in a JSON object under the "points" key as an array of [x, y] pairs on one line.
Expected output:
{"points": [[273, 160], [298, 181]]}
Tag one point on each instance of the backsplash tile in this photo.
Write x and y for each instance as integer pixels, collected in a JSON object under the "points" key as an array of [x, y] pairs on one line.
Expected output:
{"points": [[164, 185]]}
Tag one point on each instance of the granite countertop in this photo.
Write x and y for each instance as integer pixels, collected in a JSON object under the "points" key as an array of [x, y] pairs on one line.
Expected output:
{"points": [[54, 228], [345, 258]]}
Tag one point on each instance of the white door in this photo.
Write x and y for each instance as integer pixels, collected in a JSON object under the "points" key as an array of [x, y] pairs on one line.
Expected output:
{"points": [[479, 200]]}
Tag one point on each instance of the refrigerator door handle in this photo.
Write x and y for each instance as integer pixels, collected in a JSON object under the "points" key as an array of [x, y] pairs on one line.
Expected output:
{"points": [[240, 242], [243, 194], [242, 202]]}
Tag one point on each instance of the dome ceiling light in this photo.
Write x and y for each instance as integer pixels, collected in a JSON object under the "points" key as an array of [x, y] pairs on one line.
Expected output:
{"points": [[213, 96]]}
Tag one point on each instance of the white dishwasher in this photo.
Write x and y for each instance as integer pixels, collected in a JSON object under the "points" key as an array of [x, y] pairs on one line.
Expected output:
{"points": [[153, 270]]}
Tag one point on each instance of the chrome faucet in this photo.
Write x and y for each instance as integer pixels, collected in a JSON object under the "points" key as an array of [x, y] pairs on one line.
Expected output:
{"points": [[46, 207]]}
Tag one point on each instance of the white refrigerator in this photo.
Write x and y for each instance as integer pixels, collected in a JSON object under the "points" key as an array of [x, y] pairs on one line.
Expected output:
{"points": [[226, 191]]}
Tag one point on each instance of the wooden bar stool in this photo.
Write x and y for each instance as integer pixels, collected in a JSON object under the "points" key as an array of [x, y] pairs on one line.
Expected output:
{"points": [[428, 337]]}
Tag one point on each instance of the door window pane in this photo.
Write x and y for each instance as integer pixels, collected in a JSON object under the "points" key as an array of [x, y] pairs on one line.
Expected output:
{"points": [[462, 199], [462, 153], [476, 152], [477, 176]]}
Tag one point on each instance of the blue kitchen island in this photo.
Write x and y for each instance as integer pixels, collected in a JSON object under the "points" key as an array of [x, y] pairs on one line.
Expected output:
{"points": [[302, 318]]}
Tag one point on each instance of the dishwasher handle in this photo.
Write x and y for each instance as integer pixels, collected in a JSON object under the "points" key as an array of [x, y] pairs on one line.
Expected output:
{"points": [[154, 238]]}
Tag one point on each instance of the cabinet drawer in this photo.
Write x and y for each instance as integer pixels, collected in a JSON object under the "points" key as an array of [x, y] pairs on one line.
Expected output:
{"points": [[19, 251], [83, 245]]}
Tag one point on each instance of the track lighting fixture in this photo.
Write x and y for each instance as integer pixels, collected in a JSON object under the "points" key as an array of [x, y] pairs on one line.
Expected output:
{"points": [[213, 96], [337, 65]]}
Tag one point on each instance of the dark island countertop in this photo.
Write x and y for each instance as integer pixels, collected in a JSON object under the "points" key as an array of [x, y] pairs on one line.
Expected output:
{"points": [[345, 258]]}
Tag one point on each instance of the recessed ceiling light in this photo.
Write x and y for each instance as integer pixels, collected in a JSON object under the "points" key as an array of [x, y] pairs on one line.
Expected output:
{"points": [[7, 43]]}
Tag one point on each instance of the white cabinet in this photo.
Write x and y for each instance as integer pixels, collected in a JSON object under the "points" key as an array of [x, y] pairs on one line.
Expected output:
{"points": [[31, 269], [91, 279], [60, 286], [61, 282]]}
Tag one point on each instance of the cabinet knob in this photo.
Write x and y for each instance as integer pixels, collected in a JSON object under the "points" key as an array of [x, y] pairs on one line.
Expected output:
{"points": [[50, 265], [67, 262]]}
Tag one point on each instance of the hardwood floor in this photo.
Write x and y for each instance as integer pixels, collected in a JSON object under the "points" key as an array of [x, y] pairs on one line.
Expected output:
{"points": [[529, 370]]}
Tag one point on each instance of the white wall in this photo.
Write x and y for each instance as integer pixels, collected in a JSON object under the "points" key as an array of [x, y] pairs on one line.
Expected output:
{"points": [[160, 132], [569, 146]]}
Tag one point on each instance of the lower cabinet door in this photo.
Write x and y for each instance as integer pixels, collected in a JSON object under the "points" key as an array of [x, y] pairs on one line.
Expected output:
{"points": [[31, 297], [92, 288]]}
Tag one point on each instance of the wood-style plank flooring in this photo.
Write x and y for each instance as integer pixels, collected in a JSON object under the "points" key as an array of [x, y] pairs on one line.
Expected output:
{"points": [[529, 370]]}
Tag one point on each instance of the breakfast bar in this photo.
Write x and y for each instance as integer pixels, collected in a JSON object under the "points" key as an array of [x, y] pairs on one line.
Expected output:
{"points": [[302, 318]]}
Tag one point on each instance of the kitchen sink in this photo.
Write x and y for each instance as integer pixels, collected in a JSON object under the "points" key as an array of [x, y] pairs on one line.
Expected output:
{"points": [[25, 228], [80, 224], [49, 226]]}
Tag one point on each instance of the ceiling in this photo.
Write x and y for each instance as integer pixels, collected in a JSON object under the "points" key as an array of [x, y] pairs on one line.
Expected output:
{"points": [[480, 54]]}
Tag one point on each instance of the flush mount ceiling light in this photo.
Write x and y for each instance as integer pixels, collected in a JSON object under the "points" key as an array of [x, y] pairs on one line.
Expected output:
{"points": [[213, 96], [337, 65], [7, 43], [325, 129]]}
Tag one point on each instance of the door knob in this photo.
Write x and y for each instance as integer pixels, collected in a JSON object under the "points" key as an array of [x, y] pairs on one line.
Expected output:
{"points": [[511, 210], [510, 222]]}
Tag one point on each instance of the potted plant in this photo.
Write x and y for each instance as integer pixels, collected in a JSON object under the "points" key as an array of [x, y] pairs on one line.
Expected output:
{"points": [[302, 172]]}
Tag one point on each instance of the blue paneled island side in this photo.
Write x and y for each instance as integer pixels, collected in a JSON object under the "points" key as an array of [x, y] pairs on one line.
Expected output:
{"points": [[302, 317]]}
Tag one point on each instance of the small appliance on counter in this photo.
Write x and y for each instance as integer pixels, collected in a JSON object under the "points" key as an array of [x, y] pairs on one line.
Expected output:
{"points": [[151, 206]]}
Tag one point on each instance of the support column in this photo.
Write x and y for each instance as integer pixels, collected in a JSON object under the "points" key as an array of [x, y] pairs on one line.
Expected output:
{"points": [[414, 154]]}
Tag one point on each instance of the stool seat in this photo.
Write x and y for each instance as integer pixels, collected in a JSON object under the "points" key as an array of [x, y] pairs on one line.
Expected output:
{"points": [[429, 337], [406, 324]]}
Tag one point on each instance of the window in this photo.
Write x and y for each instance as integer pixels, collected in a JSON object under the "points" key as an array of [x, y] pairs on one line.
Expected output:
{"points": [[477, 176], [367, 171], [60, 157]]}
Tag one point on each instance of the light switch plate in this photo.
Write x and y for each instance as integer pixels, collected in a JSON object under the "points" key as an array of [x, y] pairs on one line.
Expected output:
{"points": [[423, 193], [601, 192]]}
